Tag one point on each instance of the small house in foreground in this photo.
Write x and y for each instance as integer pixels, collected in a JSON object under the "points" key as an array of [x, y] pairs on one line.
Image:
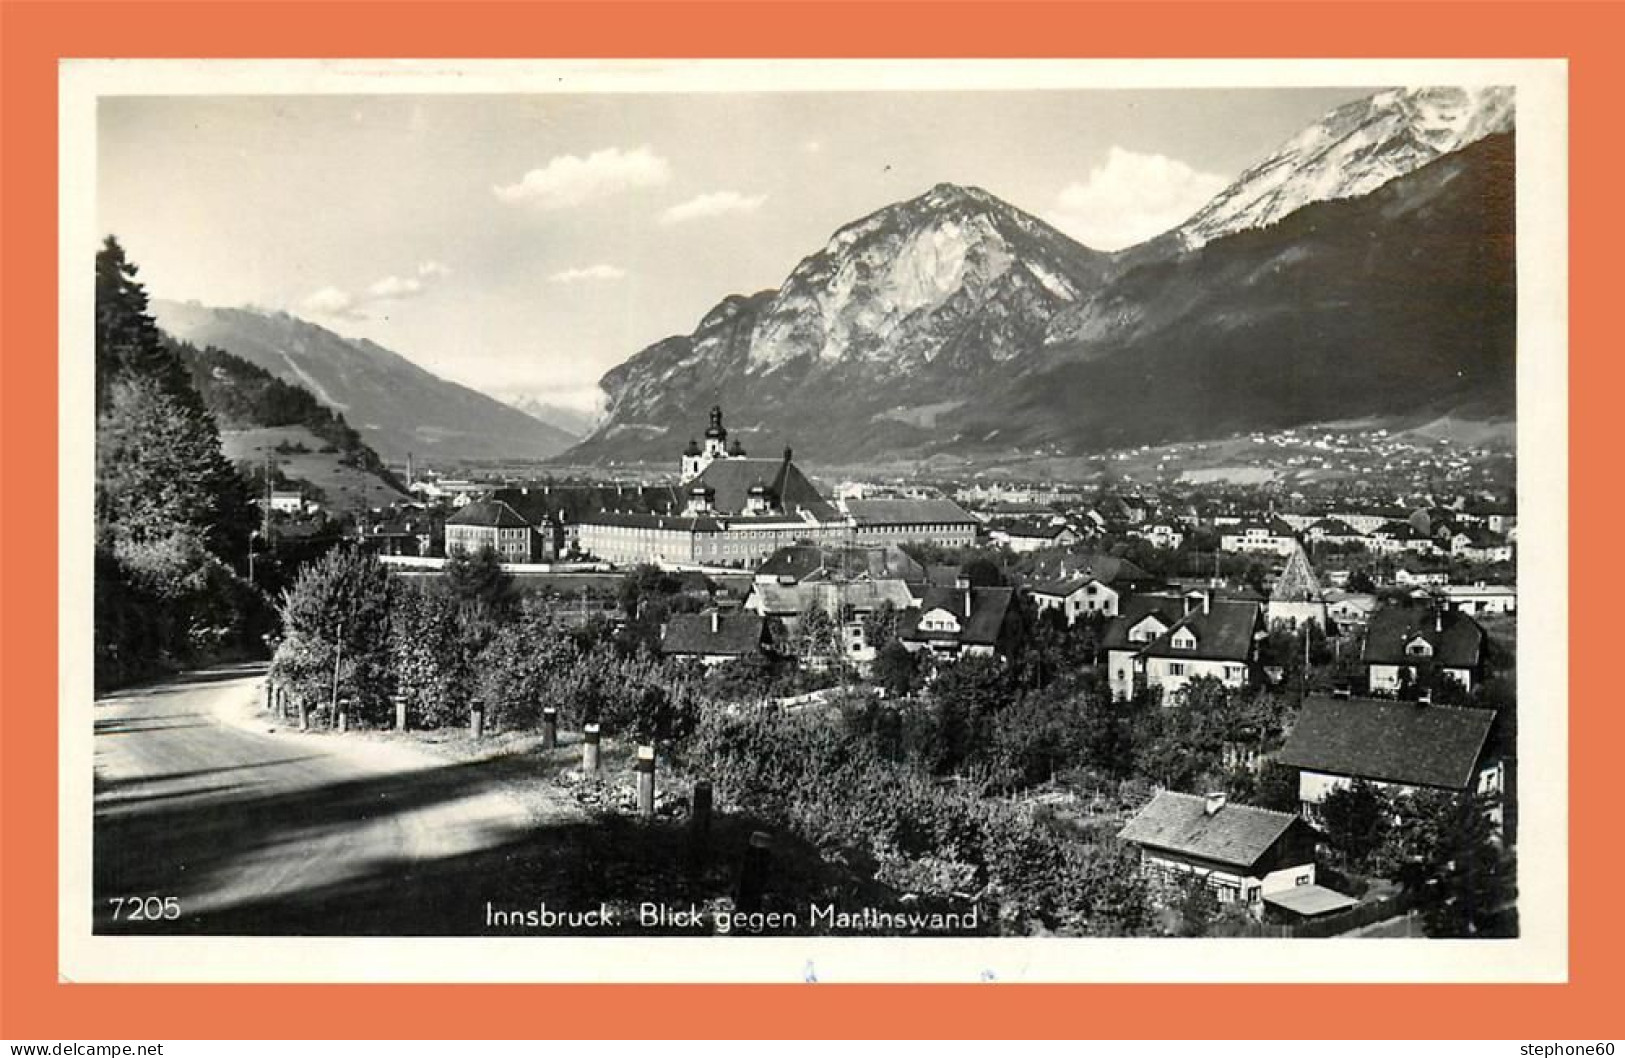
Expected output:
{"points": [[1244, 853]]}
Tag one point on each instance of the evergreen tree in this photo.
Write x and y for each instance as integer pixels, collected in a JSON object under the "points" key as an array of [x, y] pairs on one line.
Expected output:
{"points": [[1462, 878], [127, 340], [1356, 820], [172, 514]]}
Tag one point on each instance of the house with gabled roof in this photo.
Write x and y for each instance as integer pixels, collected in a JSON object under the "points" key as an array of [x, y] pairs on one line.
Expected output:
{"points": [[1330, 530], [1024, 536], [1093, 584], [962, 621], [493, 524], [1404, 641], [1161, 533], [1400, 537], [714, 638], [1401, 746], [1141, 619], [1217, 639], [1244, 854], [1272, 535], [1478, 544]]}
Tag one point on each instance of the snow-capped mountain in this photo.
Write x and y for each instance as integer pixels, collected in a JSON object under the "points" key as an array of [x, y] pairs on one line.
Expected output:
{"points": [[1352, 151], [572, 421]]}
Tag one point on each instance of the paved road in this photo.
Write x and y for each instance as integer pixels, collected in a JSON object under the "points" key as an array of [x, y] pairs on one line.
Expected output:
{"points": [[259, 831]]}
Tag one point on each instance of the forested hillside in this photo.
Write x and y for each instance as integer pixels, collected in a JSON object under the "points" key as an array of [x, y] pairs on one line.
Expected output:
{"points": [[244, 396]]}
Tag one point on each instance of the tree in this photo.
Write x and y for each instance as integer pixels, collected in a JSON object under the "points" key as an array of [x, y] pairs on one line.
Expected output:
{"points": [[817, 638], [1197, 904], [1356, 820], [160, 470], [336, 622], [128, 342], [479, 579], [897, 669], [172, 514], [1463, 881], [965, 695], [880, 625]]}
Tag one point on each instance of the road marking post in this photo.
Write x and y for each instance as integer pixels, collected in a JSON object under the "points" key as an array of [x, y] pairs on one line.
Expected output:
{"points": [[550, 728], [304, 714], [645, 769], [753, 872], [400, 712], [344, 715], [476, 719], [589, 749]]}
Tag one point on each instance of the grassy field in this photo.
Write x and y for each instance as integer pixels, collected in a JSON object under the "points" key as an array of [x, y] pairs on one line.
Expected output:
{"points": [[346, 488]]}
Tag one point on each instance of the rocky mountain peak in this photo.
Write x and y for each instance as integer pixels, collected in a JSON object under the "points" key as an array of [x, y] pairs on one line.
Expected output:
{"points": [[1352, 151]]}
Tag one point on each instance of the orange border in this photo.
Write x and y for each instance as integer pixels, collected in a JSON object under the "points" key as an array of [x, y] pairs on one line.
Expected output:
{"points": [[34, 35]]}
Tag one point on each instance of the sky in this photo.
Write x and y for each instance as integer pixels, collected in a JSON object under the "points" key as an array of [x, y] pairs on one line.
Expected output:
{"points": [[526, 244]]}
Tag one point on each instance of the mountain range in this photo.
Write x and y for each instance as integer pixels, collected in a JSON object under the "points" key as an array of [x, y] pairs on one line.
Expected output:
{"points": [[397, 406], [1365, 267]]}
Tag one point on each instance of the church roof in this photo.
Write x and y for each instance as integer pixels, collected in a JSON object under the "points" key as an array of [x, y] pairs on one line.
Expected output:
{"points": [[1297, 582], [788, 488]]}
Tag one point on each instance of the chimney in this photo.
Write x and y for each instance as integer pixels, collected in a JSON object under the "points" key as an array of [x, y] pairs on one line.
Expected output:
{"points": [[1438, 620], [1207, 601], [716, 622], [1215, 801]]}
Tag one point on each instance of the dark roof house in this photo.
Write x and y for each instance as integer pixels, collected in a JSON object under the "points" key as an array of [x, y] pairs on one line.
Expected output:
{"points": [[786, 488], [713, 634], [1407, 743], [981, 613], [489, 514], [909, 512], [1224, 631], [1454, 640]]}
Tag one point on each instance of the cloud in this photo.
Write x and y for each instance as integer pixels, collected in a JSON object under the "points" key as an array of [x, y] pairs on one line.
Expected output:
{"points": [[394, 288], [570, 180], [715, 204], [598, 273], [331, 301], [1132, 197], [344, 305]]}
